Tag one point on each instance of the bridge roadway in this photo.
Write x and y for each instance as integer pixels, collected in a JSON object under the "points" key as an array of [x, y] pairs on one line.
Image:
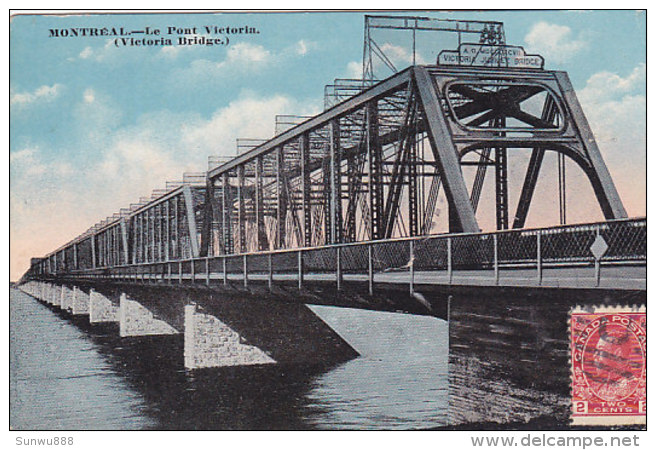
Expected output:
{"points": [[622, 277], [605, 255]]}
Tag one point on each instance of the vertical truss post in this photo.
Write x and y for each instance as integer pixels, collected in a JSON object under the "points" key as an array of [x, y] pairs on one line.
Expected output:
{"points": [[281, 194], [306, 189], [597, 261], [226, 219], [338, 267], [538, 256], [562, 189], [449, 259], [158, 222], [124, 240], [176, 221], [136, 245], [149, 237], [206, 238], [496, 259], [370, 267], [374, 155], [167, 243], [353, 182], [133, 240], [270, 277], [501, 182], [152, 234], [93, 253], [262, 243], [326, 201], [300, 269], [413, 215], [335, 213], [76, 263], [241, 213], [245, 267], [144, 236], [412, 267]]}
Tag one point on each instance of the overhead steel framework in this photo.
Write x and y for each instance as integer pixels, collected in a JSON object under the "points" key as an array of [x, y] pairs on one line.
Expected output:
{"points": [[371, 166], [473, 31]]}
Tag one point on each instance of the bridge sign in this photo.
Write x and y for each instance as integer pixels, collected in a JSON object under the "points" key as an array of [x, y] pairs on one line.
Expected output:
{"points": [[485, 55], [598, 247]]}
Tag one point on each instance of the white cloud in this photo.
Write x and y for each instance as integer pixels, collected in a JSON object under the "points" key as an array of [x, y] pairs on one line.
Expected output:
{"points": [[43, 93], [107, 53], [27, 161], [303, 47], [240, 58], [244, 52], [89, 96], [606, 85], [170, 51], [86, 53], [555, 42], [616, 110], [354, 70], [400, 56], [247, 117]]}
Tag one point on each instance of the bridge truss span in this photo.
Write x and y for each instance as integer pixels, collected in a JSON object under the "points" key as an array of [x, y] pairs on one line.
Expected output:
{"points": [[370, 168]]}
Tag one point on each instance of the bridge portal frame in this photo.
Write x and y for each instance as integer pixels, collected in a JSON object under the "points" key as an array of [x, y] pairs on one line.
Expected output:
{"points": [[304, 157]]}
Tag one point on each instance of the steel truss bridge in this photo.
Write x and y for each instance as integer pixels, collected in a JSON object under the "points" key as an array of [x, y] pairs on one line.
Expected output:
{"points": [[352, 194]]}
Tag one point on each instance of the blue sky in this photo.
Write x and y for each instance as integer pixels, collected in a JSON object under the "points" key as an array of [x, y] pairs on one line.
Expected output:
{"points": [[94, 127]]}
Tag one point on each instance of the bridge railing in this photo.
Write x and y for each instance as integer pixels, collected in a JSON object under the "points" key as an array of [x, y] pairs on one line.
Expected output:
{"points": [[624, 241]]}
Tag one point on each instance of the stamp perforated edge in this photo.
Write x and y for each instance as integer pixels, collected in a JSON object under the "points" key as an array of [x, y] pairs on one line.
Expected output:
{"points": [[599, 420]]}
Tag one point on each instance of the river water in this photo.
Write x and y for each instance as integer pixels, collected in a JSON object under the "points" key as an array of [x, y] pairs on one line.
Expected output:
{"points": [[67, 374]]}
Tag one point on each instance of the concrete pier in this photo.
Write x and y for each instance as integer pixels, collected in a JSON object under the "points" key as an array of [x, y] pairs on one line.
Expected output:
{"points": [[67, 298], [80, 305], [208, 342], [137, 320], [101, 308], [55, 295], [284, 333]]}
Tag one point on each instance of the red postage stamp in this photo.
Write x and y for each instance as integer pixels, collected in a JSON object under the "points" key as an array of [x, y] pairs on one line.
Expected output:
{"points": [[609, 365]]}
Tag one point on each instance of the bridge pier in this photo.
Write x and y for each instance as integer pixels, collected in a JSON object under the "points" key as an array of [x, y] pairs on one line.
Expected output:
{"points": [[67, 299], [137, 320], [54, 295], [101, 308], [228, 329], [80, 303], [221, 328], [208, 342]]}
